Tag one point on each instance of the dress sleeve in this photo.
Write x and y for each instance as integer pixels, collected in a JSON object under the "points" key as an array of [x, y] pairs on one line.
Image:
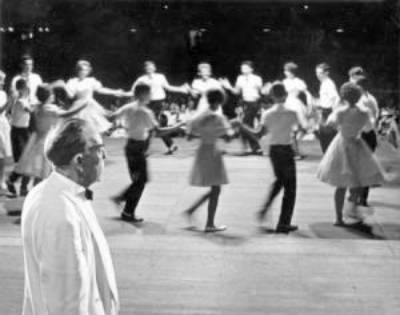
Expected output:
{"points": [[96, 84]]}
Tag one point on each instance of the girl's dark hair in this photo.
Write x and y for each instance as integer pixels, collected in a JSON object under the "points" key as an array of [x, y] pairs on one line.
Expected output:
{"points": [[21, 84], [215, 97], [141, 89], [363, 82], [350, 92], [278, 90], [43, 93]]}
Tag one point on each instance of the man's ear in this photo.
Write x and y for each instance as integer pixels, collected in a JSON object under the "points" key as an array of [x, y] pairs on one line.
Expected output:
{"points": [[77, 160]]}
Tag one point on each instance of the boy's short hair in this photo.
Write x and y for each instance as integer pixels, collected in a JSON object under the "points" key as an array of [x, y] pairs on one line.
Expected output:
{"points": [[363, 82], [324, 67], [21, 85], [356, 71], [248, 63], [141, 89], [43, 93], [291, 67], [350, 92], [278, 90], [215, 97]]}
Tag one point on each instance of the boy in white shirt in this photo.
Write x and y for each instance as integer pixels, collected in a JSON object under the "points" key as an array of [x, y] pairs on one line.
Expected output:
{"points": [[20, 120], [279, 121], [139, 122], [248, 86]]}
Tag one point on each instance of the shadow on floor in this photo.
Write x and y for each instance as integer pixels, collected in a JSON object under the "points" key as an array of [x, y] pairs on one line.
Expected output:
{"points": [[325, 230], [220, 238], [145, 227]]}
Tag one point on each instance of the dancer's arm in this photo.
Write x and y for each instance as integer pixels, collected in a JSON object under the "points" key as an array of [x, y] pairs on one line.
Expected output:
{"points": [[184, 89], [228, 86], [71, 112], [164, 131], [255, 132]]}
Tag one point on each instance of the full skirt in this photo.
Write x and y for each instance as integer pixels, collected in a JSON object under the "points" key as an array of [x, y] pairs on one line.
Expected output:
{"points": [[95, 115], [33, 161], [208, 169], [5, 140], [349, 163]]}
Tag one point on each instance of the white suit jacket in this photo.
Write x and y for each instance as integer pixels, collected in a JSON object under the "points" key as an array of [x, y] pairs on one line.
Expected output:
{"points": [[68, 267]]}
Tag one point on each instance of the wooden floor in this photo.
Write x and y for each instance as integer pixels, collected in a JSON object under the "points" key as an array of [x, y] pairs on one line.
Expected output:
{"points": [[164, 267]]}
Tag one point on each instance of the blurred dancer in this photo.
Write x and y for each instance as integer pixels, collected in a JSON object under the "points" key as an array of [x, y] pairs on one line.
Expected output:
{"points": [[20, 121], [348, 163], [33, 80], [82, 89], [139, 122], [209, 169], [33, 162], [328, 101], [296, 87], [248, 87], [279, 122], [159, 85], [202, 84], [5, 142]]}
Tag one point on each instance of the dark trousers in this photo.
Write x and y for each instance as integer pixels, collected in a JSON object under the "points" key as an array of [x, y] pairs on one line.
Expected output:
{"points": [[283, 164], [137, 165], [157, 107], [250, 113], [372, 142], [326, 133], [19, 139]]}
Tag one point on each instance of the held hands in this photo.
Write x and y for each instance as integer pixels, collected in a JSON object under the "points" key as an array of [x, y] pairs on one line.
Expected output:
{"points": [[225, 83]]}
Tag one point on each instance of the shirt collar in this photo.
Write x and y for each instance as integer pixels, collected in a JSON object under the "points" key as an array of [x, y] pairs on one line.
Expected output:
{"points": [[72, 187]]}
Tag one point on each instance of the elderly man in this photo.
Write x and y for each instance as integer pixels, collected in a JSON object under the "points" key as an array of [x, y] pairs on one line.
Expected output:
{"points": [[68, 266]]}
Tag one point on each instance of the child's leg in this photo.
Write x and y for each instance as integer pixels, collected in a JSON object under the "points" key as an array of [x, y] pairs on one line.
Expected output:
{"points": [[198, 203], [212, 205], [340, 194], [24, 185], [289, 195]]}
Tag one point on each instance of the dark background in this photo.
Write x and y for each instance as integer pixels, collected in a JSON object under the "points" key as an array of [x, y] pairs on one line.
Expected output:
{"points": [[267, 32]]}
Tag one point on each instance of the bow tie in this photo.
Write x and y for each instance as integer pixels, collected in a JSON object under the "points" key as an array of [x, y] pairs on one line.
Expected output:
{"points": [[88, 194]]}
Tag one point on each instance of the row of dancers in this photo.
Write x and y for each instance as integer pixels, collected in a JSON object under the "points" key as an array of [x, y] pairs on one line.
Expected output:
{"points": [[140, 119]]}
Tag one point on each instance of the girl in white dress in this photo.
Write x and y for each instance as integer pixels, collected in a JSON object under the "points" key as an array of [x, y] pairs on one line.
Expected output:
{"points": [[82, 88], [348, 162], [209, 169], [201, 85], [33, 162], [295, 87], [5, 141]]}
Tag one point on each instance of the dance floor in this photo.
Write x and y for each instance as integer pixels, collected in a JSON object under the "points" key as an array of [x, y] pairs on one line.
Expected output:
{"points": [[165, 267]]}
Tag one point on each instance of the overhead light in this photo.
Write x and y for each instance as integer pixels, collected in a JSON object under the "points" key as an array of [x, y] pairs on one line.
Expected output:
{"points": [[306, 7], [40, 29], [11, 29], [133, 30], [266, 30], [47, 29], [203, 30], [165, 6], [30, 35], [339, 30], [2, 29]]}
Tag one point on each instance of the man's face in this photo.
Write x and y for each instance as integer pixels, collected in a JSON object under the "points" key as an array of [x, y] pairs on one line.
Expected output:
{"points": [[93, 158], [27, 66]]}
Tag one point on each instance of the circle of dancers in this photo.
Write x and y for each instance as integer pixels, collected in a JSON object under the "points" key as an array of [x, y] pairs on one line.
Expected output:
{"points": [[348, 123]]}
